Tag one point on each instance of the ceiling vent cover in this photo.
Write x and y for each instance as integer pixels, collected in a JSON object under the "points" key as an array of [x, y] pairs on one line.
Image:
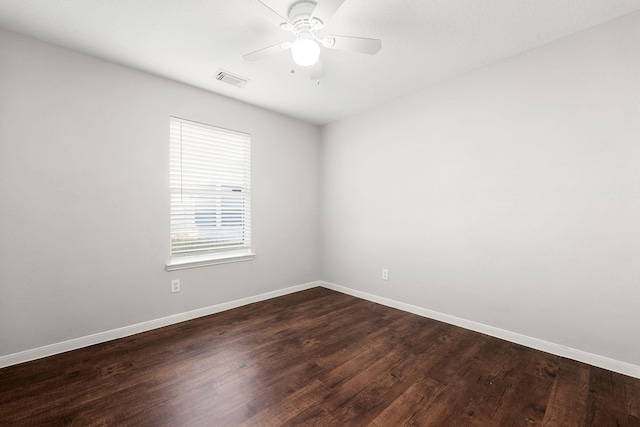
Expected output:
{"points": [[232, 79]]}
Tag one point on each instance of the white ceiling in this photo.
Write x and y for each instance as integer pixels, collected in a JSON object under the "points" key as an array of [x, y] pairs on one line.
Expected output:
{"points": [[423, 42]]}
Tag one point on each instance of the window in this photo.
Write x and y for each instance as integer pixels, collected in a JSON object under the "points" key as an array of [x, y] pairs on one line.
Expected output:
{"points": [[210, 185]]}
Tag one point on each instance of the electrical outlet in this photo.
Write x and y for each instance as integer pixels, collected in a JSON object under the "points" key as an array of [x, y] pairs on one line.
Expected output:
{"points": [[385, 274], [175, 285]]}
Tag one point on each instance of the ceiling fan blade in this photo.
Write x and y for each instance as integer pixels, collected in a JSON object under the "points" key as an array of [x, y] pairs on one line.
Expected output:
{"points": [[267, 51], [316, 72], [324, 10], [271, 15], [353, 44]]}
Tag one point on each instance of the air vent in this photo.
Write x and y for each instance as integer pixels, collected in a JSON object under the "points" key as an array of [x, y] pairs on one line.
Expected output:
{"points": [[232, 79]]}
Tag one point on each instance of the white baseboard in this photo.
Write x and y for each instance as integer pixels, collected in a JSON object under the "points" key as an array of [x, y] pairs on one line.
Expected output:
{"points": [[76, 343], [549, 347], [557, 349]]}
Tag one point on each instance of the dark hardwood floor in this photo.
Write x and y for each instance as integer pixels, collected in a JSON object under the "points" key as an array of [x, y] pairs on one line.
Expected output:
{"points": [[316, 357]]}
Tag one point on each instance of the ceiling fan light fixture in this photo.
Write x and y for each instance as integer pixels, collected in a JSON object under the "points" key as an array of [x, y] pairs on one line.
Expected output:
{"points": [[305, 52]]}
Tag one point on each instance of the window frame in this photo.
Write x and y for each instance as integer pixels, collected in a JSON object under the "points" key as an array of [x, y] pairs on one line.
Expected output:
{"points": [[189, 217]]}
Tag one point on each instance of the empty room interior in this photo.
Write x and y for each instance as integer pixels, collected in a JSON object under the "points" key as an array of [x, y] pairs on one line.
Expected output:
{"points": [[331, 212]]}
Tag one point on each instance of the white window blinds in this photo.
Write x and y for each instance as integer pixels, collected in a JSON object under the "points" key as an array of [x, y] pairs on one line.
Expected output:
{"points": [[210, 181]]}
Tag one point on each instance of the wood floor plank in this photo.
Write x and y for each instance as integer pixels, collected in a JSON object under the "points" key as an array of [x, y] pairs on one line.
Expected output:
{"points": [[632, 402], [313, 358], [385, 380], [290, 406], [413, 399], [606, 400], [567, 404]]}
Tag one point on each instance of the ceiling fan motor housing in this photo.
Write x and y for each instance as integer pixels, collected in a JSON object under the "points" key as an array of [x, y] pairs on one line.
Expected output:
{"points": [[300, 16]]}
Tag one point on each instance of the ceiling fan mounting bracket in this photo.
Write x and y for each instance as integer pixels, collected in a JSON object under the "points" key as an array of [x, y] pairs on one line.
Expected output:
{"points": [[301, 10]]}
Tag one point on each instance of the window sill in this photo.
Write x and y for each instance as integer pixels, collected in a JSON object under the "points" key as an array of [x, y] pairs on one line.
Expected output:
{"points": [[193, 262]]}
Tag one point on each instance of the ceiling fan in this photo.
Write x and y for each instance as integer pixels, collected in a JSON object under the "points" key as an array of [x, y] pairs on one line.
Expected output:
{"points": [[306, 20]]}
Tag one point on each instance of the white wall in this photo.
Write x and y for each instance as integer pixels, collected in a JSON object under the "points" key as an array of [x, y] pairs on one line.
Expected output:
{"points": [[84, 203], [509, 196]]}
